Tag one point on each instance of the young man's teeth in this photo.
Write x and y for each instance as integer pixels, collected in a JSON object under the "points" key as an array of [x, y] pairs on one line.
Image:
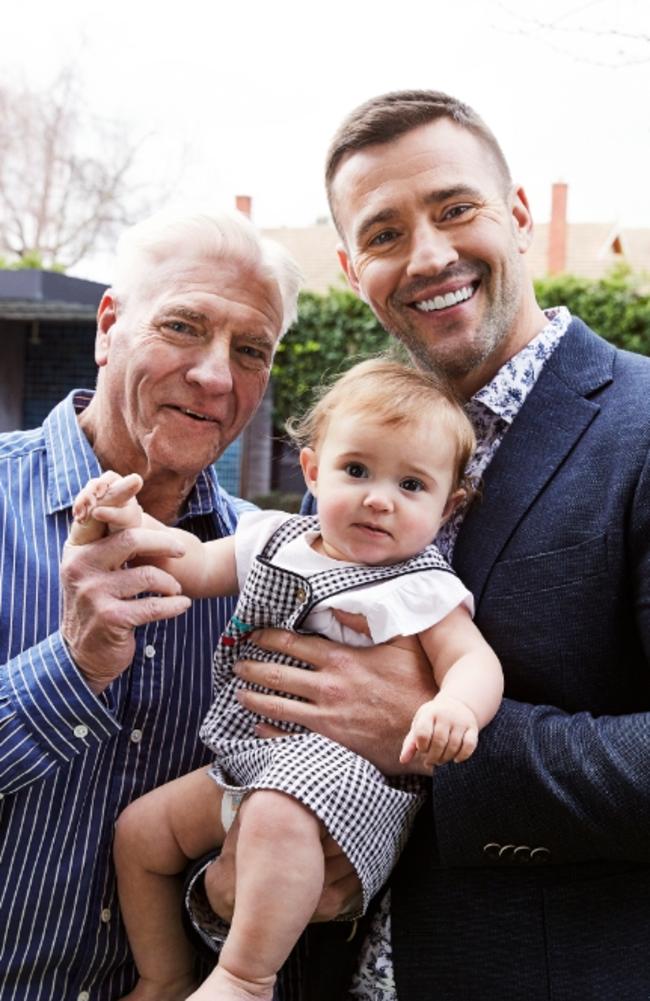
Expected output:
{"points": [[444, 301]]}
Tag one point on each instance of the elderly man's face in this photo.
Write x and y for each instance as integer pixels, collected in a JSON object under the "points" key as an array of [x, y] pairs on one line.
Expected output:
{"points": [[433, 243], [186, 358]]}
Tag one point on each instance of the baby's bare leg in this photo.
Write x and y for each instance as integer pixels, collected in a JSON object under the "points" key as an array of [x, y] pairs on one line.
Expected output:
{"points": [[155, 837], [112, 498], [280, 870]]}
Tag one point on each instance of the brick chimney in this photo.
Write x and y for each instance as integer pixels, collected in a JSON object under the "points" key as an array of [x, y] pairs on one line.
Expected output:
{"points": [[557, 230], [244, 204]]}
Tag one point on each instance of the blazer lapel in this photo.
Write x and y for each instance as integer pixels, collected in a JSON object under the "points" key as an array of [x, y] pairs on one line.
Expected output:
{"points": [[553, 418]]}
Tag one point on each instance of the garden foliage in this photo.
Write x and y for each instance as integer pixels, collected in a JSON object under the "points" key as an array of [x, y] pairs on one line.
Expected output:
{"points": [[334, 331]]}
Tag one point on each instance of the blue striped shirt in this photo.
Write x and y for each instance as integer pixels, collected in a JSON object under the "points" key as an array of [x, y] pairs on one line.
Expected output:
{"points": [[71, 761]]}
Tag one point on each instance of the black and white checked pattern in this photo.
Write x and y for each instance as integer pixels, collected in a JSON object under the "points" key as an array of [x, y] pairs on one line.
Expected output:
{"points": [[368, 814]]}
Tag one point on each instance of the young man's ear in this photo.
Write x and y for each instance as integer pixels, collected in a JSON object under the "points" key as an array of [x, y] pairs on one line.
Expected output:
{"points": [[348, 269], [453, 501], [106, 317], [522, 220], [309, 466]]}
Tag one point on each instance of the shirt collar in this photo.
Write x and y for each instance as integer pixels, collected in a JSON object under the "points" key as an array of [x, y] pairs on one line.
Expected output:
{"points": [[504, 395], [71, 462], [207, 497]]}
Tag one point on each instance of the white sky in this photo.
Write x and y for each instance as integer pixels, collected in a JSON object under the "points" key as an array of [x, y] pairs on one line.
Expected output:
{"points": [[243, 96]]}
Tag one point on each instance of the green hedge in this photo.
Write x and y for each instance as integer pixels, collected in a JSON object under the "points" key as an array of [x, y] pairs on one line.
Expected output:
{"points": [[617, 307], [331, 333], [335, 330], [32, 260]]}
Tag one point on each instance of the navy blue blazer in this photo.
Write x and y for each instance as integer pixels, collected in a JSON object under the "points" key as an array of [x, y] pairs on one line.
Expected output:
{"points": [[528, 877]]}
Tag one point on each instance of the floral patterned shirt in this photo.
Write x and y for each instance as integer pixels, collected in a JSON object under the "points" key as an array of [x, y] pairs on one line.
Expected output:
{"points": [[493, 409]]}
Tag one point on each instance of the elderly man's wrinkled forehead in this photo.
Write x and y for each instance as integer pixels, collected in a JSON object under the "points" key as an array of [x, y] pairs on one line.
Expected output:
{"points": [[222, 292], [148, 274], [223, 288], [201, 249]]}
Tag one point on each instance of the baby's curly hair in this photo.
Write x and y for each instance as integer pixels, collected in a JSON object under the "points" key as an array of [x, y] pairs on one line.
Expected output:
{"points": [[393, 393]]}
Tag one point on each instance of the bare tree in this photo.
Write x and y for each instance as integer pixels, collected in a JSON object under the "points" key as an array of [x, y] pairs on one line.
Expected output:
{"points": [[613, 35], [64, 175]]}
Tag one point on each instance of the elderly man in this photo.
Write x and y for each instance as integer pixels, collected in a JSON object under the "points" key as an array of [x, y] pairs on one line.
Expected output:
{"points": [[529, 874], [104, 701]]}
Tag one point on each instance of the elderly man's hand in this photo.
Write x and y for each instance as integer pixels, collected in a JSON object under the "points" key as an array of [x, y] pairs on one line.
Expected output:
{"points": [[362, 697], [100, 605], [341, 889]]}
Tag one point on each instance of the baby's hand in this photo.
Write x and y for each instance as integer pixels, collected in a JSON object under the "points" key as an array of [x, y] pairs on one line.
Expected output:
{"points": [[105, 503], [444, 729]]}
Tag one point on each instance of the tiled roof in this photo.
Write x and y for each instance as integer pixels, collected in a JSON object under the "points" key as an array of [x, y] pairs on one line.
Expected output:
{"points": [[33, 294], [26, 310], [636, 248], [592, 249], [314, 248]]}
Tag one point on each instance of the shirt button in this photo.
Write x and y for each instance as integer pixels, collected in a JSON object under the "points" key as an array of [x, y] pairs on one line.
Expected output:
{"points": [[150, 650], [106, 915], [135, 736], [80, 731], [83, 996]]}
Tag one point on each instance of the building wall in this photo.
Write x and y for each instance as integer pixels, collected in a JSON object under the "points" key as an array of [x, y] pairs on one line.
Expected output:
{"points": [[256, 450], [58, 357], [12, 360], [228, 466]]}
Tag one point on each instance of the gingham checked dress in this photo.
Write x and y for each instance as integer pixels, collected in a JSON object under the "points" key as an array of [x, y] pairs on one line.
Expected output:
{"points": [[367, 813]]}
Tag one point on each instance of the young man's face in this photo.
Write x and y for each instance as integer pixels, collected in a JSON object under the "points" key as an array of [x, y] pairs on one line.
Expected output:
{"points": [[433, 242], [185, 361]]}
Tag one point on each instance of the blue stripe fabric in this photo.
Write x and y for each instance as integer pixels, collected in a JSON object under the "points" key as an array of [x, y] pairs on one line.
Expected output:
{"points": [[71, 761]]}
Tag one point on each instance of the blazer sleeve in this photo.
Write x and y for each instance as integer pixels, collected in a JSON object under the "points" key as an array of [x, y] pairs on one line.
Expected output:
{"points": [[576, 784]]}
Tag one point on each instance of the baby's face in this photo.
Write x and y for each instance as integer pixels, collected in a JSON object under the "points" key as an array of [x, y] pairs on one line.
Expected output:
{"points": [[382, 492]]}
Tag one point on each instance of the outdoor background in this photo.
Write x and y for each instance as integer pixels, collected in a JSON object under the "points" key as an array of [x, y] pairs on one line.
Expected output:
{"points": [[111, 110], [224, 98]]}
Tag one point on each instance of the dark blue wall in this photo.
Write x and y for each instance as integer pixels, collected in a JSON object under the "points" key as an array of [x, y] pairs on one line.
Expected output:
{"points": [[63, 360]]}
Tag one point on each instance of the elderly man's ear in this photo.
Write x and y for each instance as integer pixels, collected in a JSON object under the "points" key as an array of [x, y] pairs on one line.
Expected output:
{"points": [[106, 317]]}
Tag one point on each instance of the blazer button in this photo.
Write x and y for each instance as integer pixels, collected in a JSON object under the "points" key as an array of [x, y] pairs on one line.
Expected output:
{"points": [[540, 855], [506, 853], [491, 849], [522, 853], [301, 594]]}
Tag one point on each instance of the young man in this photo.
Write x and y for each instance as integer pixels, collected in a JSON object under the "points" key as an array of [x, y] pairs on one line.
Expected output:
{"points": [[529, 875]]}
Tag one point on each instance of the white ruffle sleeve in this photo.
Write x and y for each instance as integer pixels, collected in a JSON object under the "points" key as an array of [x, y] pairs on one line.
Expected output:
{"points": [[406, 605], [254, 529]]}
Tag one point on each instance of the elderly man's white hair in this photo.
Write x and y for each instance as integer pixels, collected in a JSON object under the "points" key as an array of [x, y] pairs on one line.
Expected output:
{"points": [[218, 236]]}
